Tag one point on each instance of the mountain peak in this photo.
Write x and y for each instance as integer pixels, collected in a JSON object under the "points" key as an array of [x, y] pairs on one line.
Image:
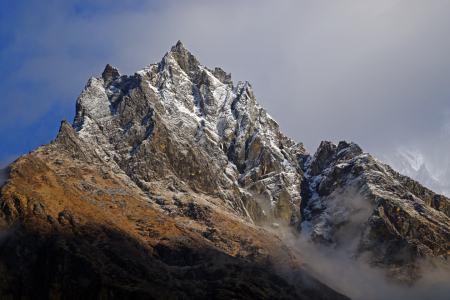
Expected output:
{"points": [[182, 119], [67, 137], [65, 125], [110, 73], [184, 57], [179, 44]]}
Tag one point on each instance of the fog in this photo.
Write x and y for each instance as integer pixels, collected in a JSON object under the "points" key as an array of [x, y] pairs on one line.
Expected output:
{"points": [[4, 173], [337, 266], [358, 280], [428, 163], [3, 176]]}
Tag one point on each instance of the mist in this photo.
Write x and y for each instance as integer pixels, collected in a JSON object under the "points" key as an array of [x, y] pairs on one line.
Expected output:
{"points": [[3, 176], [4, 172], [341, 267], [427, 163], [358, 280]]}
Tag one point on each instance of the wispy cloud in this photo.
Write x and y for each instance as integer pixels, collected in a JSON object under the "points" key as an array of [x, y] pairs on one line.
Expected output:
{"points": [[4, 168]]}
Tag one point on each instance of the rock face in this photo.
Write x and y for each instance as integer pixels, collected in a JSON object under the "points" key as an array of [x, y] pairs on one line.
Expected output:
{"points": [[75, 226], [392, 220], [181, 118], [157, 189]]}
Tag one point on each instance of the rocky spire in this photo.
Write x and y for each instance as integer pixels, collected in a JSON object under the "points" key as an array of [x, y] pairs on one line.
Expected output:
{"points": [[110, 73], [223, 76], [185, 59], [68, 138]]}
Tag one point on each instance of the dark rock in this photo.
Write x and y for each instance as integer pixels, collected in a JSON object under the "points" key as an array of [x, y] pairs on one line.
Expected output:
{"points": [[198, 212], [67, 217], [161, 201], [110, 73]]}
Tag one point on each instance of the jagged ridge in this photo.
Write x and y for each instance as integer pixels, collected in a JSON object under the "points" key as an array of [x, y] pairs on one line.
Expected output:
{"points": [[196, 125], [398, 222], [177, 142], [216, 137]]}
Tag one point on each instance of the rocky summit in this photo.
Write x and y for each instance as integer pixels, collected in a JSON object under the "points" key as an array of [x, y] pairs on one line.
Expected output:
{"points": [[166, 187]]}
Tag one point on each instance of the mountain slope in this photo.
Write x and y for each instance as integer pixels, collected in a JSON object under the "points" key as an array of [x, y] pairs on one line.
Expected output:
{"points": [[158, 189], [75, 228], [215, 136], [363, 204]]}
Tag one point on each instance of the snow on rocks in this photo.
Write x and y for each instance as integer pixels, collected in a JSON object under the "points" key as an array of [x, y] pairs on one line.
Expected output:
{"points": [[362, 205], [177, 106]]}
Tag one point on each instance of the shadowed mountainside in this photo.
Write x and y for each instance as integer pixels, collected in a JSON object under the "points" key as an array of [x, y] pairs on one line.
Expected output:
{"points": [[74, 228]]}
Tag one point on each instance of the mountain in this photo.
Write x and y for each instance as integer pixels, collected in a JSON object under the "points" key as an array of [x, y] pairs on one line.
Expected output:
{"points": [[389, 219], [169, 184], [179, 117]]}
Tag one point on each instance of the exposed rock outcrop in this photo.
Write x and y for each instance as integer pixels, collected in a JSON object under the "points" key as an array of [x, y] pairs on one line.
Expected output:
{"points": [[75, 226], [393, 221], [179, 117]]}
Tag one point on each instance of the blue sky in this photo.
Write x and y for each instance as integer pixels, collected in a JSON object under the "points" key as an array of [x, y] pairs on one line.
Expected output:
{"points": [[47, 54], [372, 72]]}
